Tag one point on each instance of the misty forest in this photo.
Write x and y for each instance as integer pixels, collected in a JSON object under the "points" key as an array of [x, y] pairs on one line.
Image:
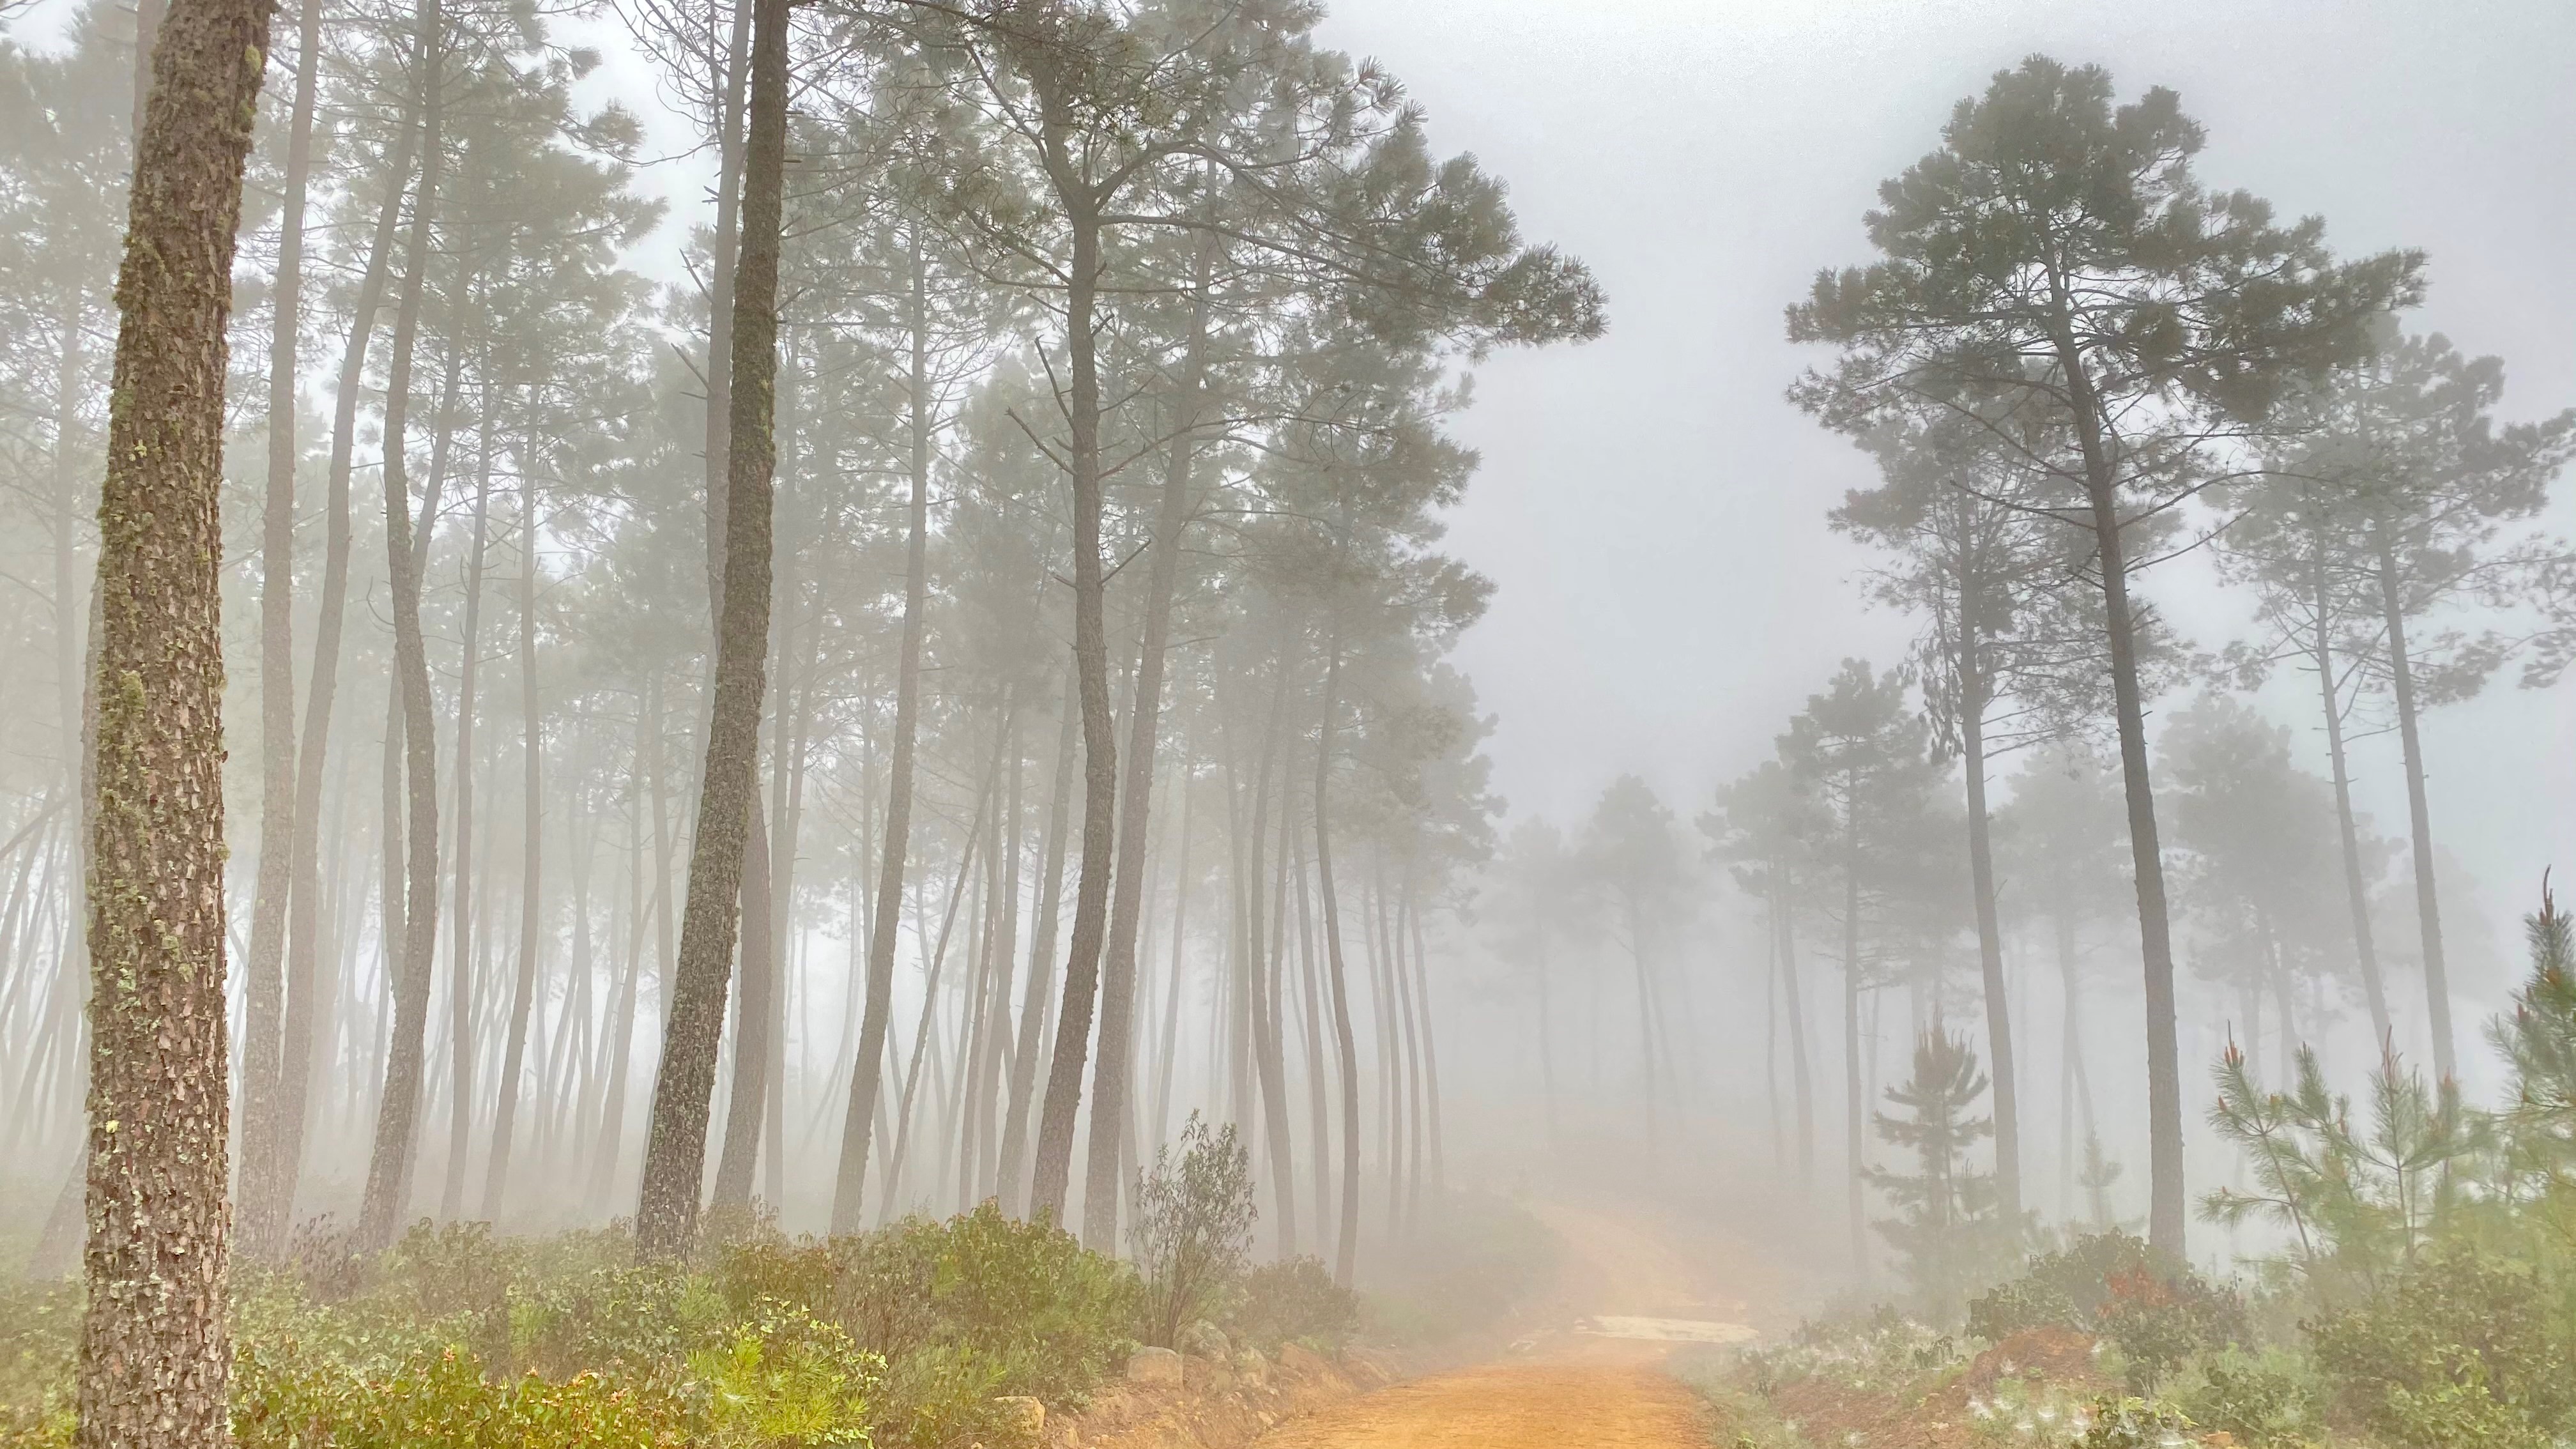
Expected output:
{"points": [[758, 724]]}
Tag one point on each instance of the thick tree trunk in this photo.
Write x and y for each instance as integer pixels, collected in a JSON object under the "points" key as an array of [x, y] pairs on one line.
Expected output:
{"points": [[754, 1005], [1990, 934], [1099, 732], [867, 1076], [2356, 889], [523, 992], [154, 1350], [675, 1147], [2428, 904], [389, 1164], [263, 1208]]}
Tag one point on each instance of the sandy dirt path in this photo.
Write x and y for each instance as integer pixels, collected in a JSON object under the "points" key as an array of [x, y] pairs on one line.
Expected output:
{"points": [[1631, 1287], [1511, 1406]]}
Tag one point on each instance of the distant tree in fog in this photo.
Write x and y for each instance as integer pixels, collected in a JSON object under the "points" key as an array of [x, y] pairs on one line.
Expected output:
{"points": [[2057, 260]]}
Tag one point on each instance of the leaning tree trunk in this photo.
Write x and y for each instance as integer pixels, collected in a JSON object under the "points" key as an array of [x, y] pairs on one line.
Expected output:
{"points": [[155, 1355], [2428, 905], [1990, 934], [676, 1140], [263, 1211], [389, 1162], [2166, 1208], [866, 1077], [1099, 732]]}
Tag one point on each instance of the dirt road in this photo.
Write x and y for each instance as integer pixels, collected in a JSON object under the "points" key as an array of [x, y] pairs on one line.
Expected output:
{"points": [[1632, 1289], [1511, 1406]]}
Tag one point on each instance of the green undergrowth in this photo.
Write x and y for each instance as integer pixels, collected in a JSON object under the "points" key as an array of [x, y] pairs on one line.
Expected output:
{"points": [[902, 1338]]}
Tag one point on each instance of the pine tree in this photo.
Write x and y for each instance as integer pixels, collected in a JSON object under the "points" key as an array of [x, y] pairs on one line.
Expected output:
{"points": [[1949, 1229], [155, 1356]]}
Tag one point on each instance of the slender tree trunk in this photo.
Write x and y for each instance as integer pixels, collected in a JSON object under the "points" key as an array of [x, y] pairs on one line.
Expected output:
{"points": [[2166, 1205], [263, 1214], [154, 1348], [1856, 1096], [647, 767], [2428, 904], [389, 1164], [2356, 889], [523, 992], [1990, 933], [1091, 674], [1033, 1004], [876, 1018], [1347, 1241], [675, 1149], [1113, 1073], [1432, 1135], [722, 263], [304, 950], [998, 1045], [1795, 995], [469, 926]]}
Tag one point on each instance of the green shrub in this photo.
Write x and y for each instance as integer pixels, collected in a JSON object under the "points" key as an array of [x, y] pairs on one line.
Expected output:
{"points": [[2462, 1350], [2155, 1311], [442, 1401], [785, 1377], [2116, 1423], [2264, 1403], [1295, 1300], [1193, 1230]]}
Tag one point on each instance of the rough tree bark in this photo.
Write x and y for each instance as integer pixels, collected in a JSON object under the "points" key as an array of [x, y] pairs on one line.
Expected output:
{"points": [[675, 1145], [155, 1356]]}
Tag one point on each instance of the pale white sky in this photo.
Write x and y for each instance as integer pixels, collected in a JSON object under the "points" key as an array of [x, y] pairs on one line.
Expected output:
{"points": [[1653, 511]]}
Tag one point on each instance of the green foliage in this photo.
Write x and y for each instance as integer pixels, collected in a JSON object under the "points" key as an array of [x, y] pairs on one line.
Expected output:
{"points": [[785, 1377], [1294, 1301], [2133, 1423], [2358, 1205], [443, 1401], [1949, 1230], [1193, 1229], [2458, 1345], [1878, 1349], [2262, 1402], [2539, 1042], [2156, 1312]]}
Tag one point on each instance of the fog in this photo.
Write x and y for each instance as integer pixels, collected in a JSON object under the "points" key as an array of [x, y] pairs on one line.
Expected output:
{"points": [[1380, 579]]}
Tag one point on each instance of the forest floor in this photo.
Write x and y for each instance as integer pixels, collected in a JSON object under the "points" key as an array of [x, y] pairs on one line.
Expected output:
{"points": [[1635, 1288]]}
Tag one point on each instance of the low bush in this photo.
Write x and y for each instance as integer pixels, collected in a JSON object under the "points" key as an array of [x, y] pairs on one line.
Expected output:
{"points": [[2158, 1313], [2262, 1402], [1292, 1301], [2461, 1350]]}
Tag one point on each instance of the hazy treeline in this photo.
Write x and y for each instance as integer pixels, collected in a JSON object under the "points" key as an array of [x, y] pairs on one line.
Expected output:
{"points": [[1104, 689], [2073, 362]]}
